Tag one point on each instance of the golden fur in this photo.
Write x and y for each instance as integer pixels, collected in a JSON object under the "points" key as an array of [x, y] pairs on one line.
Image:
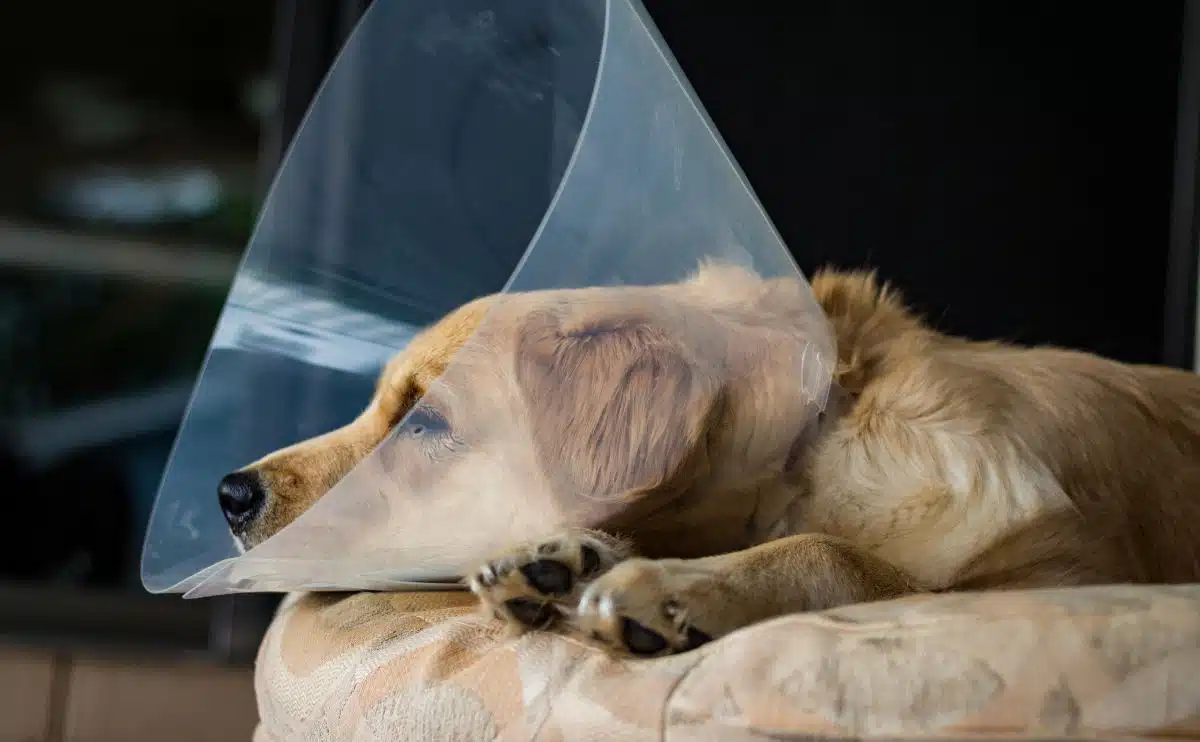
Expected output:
{"points": [[945, 465]]}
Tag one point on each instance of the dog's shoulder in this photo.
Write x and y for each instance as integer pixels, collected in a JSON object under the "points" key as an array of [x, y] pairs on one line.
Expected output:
{"points": [[924, 467]]}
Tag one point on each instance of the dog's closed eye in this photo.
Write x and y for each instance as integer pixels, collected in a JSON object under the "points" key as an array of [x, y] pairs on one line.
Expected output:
{"points": [[423, 435], [423, 422]]}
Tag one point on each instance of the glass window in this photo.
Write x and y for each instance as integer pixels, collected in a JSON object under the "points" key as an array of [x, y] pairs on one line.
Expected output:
{"points": [[129, 182]]}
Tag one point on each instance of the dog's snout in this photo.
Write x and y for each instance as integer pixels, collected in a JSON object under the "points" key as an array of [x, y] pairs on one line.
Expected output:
{"points": [[242, 496]]}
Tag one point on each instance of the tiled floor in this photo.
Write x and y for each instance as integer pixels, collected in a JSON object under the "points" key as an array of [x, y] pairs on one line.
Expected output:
{"points": [[25, 688], [58, 698]]}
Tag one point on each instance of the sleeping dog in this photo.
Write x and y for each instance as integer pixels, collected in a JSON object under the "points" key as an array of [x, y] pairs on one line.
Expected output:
{"points": [[939, 464]]}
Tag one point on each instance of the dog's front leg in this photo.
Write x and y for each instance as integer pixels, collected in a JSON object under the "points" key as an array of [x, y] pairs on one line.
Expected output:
{"points": [[653, 607]]}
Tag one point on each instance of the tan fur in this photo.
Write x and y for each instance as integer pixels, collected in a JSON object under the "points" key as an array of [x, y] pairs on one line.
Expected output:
{"points": [[297, 475], [949, 465]]}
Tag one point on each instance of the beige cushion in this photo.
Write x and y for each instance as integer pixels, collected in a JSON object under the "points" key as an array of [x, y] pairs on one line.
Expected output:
{"points": [[1060, 663]]}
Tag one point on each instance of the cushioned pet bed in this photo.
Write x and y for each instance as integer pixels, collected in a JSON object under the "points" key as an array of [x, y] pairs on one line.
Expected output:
{"points": [[1115, 662]]}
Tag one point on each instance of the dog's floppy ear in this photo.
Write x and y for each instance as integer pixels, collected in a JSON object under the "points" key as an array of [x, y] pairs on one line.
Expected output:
{"points": [[617, 408]]}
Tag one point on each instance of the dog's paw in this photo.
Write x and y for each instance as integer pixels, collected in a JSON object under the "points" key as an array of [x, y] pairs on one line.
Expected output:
{"points": [[652, 608], [534, 585]]}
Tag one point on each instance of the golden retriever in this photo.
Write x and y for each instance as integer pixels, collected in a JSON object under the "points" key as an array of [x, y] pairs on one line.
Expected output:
{"points": [[941, 463]]}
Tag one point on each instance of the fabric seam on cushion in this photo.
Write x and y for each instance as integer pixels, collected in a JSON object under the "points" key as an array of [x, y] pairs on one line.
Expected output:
{"points": [[662, 727]]}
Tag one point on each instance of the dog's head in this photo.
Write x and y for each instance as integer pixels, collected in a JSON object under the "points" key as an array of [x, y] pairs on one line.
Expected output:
{"points": [[600, 407]]}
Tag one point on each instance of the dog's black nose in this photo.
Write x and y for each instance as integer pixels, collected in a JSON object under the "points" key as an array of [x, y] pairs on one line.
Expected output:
{"points": [[241, 495]]}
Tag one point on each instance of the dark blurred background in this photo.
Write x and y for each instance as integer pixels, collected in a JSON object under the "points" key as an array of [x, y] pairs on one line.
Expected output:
{"points": [[1022, 169], [130, 139]]}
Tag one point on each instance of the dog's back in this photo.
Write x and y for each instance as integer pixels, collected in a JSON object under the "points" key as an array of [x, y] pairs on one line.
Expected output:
{"points": [[981, 464]]}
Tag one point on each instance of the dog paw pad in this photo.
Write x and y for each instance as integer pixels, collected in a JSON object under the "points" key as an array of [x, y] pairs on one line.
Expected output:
{"points": [[641, 640], [640, 608], [534, 584], [549, 576]]}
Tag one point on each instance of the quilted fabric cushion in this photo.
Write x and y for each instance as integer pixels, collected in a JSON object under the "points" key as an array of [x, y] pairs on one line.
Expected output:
{"points": [[1069, 663]]}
